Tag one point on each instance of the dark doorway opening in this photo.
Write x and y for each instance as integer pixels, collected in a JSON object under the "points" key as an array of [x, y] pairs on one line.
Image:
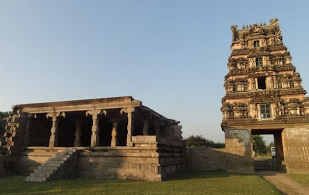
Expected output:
{"points": [[86, 132], [273, 157], [40, 128], [262, 83], [122, 133], [138, 124], [105, 133], [66, 132]]}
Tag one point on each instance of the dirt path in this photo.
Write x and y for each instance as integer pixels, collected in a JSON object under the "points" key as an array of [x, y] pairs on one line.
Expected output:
{"points": [[284, 183]]}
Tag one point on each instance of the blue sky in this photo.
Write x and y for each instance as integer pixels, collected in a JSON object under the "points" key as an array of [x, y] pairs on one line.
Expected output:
{"points": [[170, 54]]}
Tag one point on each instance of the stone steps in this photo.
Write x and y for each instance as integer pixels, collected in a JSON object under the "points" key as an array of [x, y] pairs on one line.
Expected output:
{"points": [[267, 164], [52, 169]]}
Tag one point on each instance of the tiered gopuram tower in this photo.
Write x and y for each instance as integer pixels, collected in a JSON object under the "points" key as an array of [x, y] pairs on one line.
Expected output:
{"points": [[264, 95]]}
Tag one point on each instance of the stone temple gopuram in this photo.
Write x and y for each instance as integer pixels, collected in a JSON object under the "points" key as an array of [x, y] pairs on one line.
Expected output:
{"points": [[264, 95], [105, 138]]}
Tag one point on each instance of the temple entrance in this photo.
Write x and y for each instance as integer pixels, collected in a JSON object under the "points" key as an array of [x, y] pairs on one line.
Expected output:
{"points": [[272, 158]]}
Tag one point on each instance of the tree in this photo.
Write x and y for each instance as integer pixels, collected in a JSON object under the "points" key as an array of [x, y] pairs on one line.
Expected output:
{"points": [[3, 115], [259, 145], [198, 141], [220, 145], [271, 144]]}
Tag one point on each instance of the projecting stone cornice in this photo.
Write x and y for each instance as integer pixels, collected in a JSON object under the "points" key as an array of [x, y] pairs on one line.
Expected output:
{"points": [[277, 123], [80, 105], [278, 68], [265, 93], [269, 48]]}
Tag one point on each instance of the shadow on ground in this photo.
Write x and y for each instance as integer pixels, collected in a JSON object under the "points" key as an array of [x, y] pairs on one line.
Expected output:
{"points": [[198, 175]]}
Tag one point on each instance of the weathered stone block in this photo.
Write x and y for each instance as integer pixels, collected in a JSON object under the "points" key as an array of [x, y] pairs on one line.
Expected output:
{"points": [[296, 149]]}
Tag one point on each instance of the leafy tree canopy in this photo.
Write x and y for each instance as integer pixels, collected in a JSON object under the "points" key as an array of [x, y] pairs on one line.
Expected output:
{"points": [[3, 115], [220, 145], [271, 144], [198, 141], [259, 145]]}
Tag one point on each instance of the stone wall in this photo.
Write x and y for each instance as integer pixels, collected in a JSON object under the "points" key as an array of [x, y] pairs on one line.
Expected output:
{"points": [[296, 149], [14, 132], [239, 151], [129, 163], [7, 165], [212, 159], [207, 159], [2, 165], [171, 157], [2, 127], [149, 159]]}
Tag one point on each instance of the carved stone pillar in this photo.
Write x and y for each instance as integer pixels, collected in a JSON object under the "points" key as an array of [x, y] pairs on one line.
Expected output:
{"points": [[26, 140], [77, 141], [251, 84], [145, 127], [53, 140], [95, 125], [130, 126], [306, 106], [256, 83], [268, 83], [114, 133], [274, 85]]}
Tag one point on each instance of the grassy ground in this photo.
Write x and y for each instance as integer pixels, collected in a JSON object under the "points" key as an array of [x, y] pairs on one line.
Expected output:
{"points": [[196, 183], [303, 179]]}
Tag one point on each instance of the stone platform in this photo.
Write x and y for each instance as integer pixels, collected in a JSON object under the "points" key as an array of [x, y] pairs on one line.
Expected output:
{"points": [[148, 160]]}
